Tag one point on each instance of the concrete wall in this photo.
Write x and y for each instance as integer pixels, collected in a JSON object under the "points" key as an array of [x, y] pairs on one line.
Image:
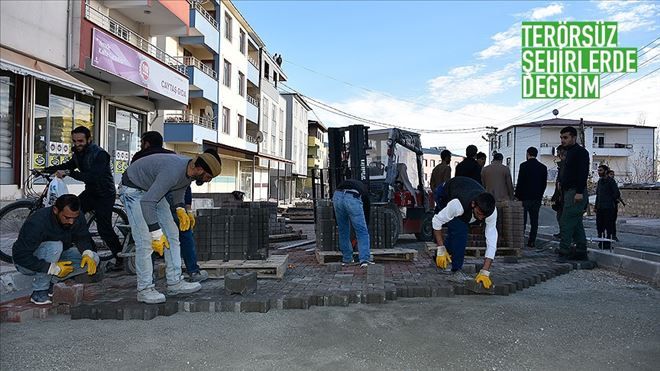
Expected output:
{"points": [[35, 28], [643, 203]]}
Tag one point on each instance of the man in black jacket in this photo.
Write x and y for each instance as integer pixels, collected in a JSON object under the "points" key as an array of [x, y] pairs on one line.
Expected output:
{"points": [[607, 195], [44, 247], [91, 165], [351, 204], [573, 184], [532, 178], [469, 167]]}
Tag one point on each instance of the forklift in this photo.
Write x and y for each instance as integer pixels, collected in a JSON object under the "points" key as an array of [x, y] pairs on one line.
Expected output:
{"points": [[389, 163]]}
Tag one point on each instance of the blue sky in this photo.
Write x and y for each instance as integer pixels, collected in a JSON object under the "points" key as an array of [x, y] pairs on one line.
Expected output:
{"points": [[443, 65]]}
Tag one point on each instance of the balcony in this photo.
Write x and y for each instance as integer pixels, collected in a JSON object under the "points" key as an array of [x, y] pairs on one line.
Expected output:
{"points": [[253, 71], [203, 79], [613, 149], [126, 34], [163, 17], [252, 111], [314, 142], [204, 30], [185, 127], [548, 149]]}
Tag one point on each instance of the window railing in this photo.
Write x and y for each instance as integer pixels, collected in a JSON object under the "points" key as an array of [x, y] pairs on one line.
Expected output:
{"points": [[253, 62], [252, 101], [613, 145], [125, 33], [192, 61], [187, 117], [196, 4]]}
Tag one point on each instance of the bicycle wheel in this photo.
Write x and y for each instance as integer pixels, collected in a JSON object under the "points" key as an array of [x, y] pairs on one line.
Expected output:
{"points": [[12, 218], [118, 217]]}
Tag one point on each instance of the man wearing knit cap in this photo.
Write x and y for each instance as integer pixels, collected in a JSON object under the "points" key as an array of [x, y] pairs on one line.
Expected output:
{"points": [[144, 186]]}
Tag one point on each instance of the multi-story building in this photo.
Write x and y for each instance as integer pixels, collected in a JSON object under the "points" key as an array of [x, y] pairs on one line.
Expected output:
{"points": [[317, 153], [432, 159], [94, 65], [627, 149], [296, 143]]}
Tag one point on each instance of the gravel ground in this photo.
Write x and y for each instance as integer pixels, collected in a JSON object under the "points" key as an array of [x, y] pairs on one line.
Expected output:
{"points": [[582, 320]]}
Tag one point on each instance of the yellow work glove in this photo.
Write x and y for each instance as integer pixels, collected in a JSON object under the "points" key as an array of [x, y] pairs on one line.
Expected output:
{"points": [[184, 220], [60, 269], [159, 241], [483, 277], [91, 260], [442, 258], [191, 216]]}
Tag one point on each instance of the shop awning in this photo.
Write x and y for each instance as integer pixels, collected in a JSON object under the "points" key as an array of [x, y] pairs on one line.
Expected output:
{"points": [[24, 65]]}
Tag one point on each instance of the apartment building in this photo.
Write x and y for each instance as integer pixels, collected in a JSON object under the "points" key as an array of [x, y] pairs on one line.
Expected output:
{"points": [[296, 143], [628, 149], [432, 159], [95, 65], [317, 153]]}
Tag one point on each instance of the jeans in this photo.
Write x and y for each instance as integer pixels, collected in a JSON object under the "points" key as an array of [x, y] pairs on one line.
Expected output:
{"points": [[51, 251], [102, 208], [456, 241], [188, 253], [131, 198], [532, 208], [349, 212], [570, 225]]}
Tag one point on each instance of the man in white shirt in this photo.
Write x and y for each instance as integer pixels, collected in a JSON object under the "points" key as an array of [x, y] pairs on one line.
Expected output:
{"points": [[464, 201]]}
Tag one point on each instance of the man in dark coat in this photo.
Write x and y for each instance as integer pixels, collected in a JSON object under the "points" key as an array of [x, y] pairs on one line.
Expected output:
{"points": [[532, 180], [469, 167]]}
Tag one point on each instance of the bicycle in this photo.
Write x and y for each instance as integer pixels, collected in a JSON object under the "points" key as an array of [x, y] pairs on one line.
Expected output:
{"points": [[13, 215]]}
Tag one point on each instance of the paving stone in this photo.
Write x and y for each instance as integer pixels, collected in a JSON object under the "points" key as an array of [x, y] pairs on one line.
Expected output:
{"points": [[390, 295], [255, 305], [421, 292], [477, 288], [295, 303], [169, 308], [501, 290], [229, 306], [442, 291], [337, 301], [240, 283], [376, 298], [509, 259], [333, 267], [68, 294]]}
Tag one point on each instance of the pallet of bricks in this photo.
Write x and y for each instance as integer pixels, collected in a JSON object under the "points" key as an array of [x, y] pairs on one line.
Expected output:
{"points": [[235, 233], [380, 227], [509, 230]]}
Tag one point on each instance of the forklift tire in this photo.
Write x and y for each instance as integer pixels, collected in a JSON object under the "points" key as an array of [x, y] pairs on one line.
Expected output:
{"points": [[426, 233]]}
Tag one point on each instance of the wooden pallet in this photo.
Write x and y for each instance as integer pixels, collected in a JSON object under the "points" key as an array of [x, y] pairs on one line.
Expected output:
{"points": [[273, 267], [396, 254], [294, 236], [477, 252]]}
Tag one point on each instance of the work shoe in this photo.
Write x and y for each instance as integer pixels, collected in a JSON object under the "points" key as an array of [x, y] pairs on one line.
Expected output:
{"points": [[183, 287], [459, 277], [150, 296], [349, 264], [50, 290], [40, 297], [365, 264], [200, 276]]}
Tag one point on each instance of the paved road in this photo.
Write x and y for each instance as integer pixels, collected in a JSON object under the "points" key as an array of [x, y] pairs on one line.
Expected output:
{"points": [[582, 320]]}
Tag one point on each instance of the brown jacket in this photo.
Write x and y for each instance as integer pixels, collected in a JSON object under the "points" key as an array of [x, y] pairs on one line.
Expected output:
{"points": [[497, 181], [440, 174]]}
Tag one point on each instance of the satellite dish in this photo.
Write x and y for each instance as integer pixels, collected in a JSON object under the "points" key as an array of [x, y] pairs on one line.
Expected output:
{"points": [[555, 112], [260, 136], [209, 110]]}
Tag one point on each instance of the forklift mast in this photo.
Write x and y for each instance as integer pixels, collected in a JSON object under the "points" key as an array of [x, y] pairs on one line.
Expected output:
{"points": [[348, 160], [412, 142]]}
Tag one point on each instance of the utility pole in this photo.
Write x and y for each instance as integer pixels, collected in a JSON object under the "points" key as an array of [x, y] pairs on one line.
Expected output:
{"points": [[584, 144], [492, 137]]}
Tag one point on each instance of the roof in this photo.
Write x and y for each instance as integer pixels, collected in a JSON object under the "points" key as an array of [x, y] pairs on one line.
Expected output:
{"points": [[569, 122], [300, 99], [433, 150], [317, 123]]}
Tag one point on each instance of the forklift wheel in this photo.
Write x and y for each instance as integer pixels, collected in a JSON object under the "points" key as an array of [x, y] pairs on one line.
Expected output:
{"points": [[426, 234]]}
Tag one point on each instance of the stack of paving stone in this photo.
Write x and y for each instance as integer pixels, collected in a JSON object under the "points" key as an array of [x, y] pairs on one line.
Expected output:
{"points": [[381, 225], [236, 233], [510, 224]]}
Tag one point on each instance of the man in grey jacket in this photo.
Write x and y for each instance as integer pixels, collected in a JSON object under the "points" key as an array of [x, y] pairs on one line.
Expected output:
{"points": [[144, 186]]}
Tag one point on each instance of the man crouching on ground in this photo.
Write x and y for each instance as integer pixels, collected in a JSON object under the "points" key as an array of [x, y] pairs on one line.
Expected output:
{"points": [[144, 186], [463, 202], [44, 247]]}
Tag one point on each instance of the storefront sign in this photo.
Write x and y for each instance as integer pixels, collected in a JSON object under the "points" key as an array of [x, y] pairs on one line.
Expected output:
{"points": [[117, 58]]}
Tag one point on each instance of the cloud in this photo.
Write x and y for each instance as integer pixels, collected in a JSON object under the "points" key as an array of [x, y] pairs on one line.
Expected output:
{"points": [[463, 83], [631, 15], [503, 43], [545, 12]]}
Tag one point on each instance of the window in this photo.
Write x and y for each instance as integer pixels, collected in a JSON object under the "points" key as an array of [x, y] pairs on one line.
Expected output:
{"points": [[432, 163], [124, 130], [508, 162], [499, 141], [8, 139], [275, 78], [228, 24], [119, 30], [225, 120], [227, 76], [599, 140], [241, 42], [264, 122], [508, 138], [241, 84], [241, 128], [273, 118], [266, 70], [426, 162]]}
